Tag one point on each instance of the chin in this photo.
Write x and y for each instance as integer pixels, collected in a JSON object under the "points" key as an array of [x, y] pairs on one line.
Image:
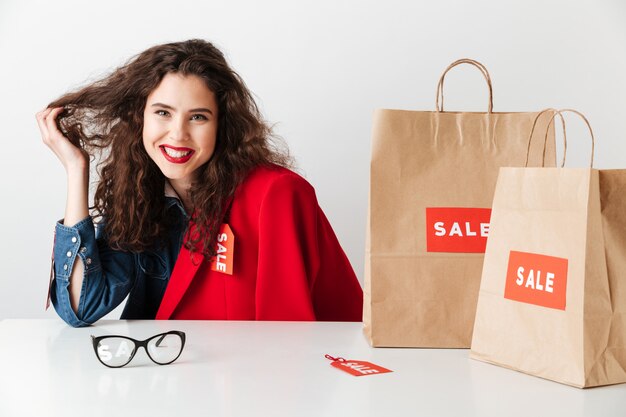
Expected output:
{"points": [[173, 175]]}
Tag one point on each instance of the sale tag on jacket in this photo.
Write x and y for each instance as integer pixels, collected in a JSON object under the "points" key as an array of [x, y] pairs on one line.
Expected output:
{"points": [[223, 261], [536, 279], [457, 229], [357, 368]]}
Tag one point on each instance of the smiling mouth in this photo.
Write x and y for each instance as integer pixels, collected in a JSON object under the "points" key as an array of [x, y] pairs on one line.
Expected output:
{"points": [[176, 155]]}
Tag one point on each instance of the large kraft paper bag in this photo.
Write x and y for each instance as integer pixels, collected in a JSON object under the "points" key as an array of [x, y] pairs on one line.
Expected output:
{"points": [[552, 299], [433, 174]]}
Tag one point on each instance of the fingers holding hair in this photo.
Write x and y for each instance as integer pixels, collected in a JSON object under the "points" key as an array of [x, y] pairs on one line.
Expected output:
{"points": [[41, 122], [50, 119], [70, 155]]}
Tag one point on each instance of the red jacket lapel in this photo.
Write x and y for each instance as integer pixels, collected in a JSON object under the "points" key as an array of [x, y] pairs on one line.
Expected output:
{"points": [[184, 271]]}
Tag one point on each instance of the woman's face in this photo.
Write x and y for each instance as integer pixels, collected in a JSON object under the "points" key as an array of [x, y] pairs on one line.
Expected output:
{"points": [[180, 127]]}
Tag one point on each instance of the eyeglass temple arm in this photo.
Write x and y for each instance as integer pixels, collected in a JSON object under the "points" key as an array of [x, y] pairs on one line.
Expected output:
{"points": [[158, 342]]}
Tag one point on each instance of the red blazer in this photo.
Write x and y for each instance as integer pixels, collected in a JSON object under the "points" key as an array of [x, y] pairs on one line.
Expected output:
{"points": [[287, 263]]}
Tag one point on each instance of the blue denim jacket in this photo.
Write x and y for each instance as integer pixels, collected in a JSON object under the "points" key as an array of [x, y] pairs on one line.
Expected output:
{"points": [[110, 275]]}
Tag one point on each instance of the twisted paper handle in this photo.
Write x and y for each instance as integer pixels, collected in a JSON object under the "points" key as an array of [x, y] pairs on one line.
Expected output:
{"points": [[483, 71], [545, 141]]}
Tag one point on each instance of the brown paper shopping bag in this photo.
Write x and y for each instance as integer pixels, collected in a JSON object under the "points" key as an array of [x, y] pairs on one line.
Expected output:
{"points": [[433, 174], [552, 299]]}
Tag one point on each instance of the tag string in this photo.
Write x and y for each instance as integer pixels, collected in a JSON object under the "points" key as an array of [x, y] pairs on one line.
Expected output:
{"points": [[337, 359]]}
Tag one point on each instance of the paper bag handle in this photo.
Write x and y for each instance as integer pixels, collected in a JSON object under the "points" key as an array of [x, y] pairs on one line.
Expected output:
{"points": [[593, 139], [545, 142], [483, 71]]}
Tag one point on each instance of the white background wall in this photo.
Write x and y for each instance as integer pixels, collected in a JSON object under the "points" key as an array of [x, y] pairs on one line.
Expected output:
{"points": [[319, 69]]}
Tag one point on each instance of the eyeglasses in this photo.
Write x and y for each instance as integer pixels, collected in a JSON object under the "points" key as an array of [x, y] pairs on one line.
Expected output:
{"points": [[118, 351]]}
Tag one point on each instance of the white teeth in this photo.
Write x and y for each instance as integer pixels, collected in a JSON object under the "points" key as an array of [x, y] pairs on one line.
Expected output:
{"points": [[175, 154]]}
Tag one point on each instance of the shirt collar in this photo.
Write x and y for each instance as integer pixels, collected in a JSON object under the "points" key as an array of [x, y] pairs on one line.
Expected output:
{"points": [[172, 197], [169, 190]]}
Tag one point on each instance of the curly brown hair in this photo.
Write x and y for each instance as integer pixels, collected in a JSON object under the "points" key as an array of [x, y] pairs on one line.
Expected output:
{"points": [[105, 118]]}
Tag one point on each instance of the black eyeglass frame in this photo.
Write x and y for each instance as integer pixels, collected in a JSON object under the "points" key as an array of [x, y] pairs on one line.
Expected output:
{"points": [[139, 343]]}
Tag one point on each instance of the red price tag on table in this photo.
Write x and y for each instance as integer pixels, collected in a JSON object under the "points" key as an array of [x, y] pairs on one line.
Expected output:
{"points": [[357, 368]]}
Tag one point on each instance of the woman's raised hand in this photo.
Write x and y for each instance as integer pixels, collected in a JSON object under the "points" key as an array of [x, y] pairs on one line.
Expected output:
{"points": [[72, 157]]}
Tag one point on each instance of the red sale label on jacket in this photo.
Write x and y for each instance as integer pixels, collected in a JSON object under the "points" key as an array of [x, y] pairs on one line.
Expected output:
{"points": [[536, 279], [223, 261], [457, 229]]}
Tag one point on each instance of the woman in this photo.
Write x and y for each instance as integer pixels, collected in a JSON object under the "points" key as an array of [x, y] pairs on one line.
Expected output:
{"points": [[199, 216]]}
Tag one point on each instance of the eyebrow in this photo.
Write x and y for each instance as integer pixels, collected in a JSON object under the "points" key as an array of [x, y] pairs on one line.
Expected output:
{"points": [[199, 109]]}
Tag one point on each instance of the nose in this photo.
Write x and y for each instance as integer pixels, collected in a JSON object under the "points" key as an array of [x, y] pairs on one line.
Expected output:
{"points": [[178, 129]]}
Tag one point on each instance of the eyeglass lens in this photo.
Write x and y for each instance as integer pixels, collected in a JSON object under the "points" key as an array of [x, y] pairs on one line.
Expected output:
{"points": [[165, 349], [115, 351]]}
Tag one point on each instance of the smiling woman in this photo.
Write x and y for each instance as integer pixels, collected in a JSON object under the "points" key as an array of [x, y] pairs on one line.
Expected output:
{"points": [[190, 121], [198, 214]]}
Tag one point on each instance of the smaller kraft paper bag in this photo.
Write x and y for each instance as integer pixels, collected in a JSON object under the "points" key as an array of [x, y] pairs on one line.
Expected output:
{"points": [[552, 299]]}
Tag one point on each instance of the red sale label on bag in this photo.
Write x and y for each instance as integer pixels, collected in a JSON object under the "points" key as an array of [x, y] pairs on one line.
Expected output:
{"points": [[536, 279], [357, 368], [223, 261], [457, 229]]}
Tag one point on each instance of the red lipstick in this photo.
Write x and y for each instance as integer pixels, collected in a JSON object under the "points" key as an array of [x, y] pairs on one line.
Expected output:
{"points": [[185, 154]]}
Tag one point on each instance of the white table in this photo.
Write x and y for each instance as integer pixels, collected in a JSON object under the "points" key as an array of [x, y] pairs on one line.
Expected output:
{"points": [[266, 369]]}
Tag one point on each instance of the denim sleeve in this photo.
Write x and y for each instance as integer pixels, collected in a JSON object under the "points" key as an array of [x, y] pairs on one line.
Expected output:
{"points": [[108, 277]]}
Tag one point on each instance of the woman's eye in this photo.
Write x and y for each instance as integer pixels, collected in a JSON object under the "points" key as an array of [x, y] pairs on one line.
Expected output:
{"points": [[161, 112], [201, 117]]}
